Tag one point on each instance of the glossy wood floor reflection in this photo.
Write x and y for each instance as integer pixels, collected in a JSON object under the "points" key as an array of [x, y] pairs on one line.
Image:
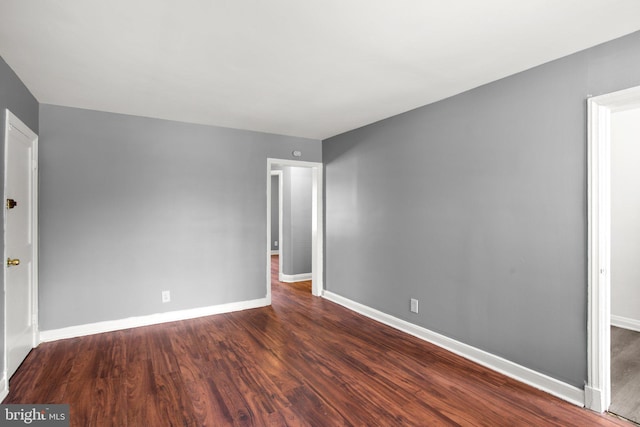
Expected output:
{"points": [[302, 362]]}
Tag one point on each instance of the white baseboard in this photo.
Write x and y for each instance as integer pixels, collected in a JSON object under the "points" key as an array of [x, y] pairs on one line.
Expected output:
{"points": [[535, 379], [4, 389], [625, 322], [153, 319], [291, 278], [594, 399], [275, 252]]}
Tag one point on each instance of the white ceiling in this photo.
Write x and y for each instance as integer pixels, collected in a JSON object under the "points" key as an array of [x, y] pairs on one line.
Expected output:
{"points": [[311, 68]]}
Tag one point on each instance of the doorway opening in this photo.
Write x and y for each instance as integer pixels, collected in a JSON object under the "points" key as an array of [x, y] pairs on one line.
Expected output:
{"points": [[275, 222], [600, 136], [280, 167], [625, 269]]}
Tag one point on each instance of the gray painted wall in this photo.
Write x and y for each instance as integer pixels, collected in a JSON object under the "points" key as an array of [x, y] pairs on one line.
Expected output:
{"points": [[16, 97], [275, 213], [131, 206], [477, 206], [296, 220]]}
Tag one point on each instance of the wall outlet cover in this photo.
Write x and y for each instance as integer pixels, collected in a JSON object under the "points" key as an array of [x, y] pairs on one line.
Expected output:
{"points": [[414, 305], [166, 296]]}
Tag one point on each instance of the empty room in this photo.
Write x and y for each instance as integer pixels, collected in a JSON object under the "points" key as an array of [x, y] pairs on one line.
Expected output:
{"points": [[320, 213]]}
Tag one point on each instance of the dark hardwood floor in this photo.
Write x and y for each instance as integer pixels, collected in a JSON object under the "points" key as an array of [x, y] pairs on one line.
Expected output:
{"points": [[302, 361]]}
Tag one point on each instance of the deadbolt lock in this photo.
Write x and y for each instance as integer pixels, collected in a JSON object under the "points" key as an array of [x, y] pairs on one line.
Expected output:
{"points": [[13, 262], [11, 203]]}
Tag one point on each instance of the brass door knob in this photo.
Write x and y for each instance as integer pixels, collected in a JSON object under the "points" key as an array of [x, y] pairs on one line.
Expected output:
{"points": [[11, 262]]}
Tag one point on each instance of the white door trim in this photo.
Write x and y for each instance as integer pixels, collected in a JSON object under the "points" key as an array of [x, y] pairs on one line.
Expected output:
{"points": [[11, 121], [317, 237], [598, 387]]}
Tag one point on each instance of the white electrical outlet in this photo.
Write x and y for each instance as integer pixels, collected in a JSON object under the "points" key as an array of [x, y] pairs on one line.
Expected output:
{"points": [[414, 305], [166, 296], [275, 243]]}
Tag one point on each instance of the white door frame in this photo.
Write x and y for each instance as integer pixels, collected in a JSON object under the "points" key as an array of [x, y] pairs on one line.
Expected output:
{"points": [[600, 108], [317, 228], [279, 174], [11, 121]]}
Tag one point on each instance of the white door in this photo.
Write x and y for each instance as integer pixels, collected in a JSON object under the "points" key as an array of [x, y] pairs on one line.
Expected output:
{"points": [[20, 237]]}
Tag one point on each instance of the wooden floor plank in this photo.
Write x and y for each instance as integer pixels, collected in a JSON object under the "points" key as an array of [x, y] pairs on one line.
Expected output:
{"points": [[108, 403], [43, 375], [304, 361], [142, 396]]}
